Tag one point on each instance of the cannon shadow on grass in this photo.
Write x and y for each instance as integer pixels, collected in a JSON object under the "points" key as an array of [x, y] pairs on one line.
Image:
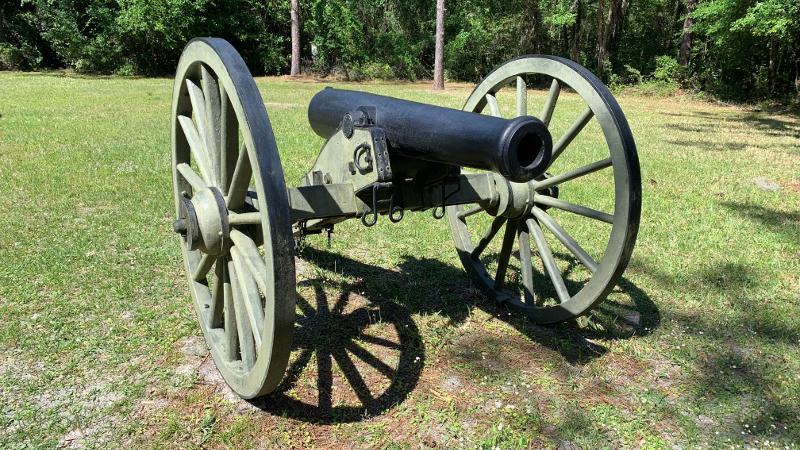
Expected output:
{"points": [[365, 342]]}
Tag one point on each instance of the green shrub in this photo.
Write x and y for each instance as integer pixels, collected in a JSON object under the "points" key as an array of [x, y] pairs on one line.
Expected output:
{"points": [[631, 75], [668, 69], [655, 88], [377, 70], [10, 57]]}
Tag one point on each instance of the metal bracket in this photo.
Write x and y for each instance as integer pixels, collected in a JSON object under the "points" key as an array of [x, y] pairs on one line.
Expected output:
{"points": [[373, 212], [396, 211], [439, 210], [381, 152], [376, 202], [362, 158]]}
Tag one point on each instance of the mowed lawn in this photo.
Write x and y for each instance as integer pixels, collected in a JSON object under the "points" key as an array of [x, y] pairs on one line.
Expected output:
{"points": [[99, 346]]}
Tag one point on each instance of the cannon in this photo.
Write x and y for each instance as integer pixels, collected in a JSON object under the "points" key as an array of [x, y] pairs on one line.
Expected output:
{"points": [[526, 173]]}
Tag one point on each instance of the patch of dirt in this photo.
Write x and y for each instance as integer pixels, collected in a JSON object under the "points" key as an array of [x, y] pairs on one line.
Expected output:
{"points": [[193, 347], [793, 185], [73, 439], [451, 383], [213, 379], [197, 361], [100, 397], [83, 403], [666, 373], [149, 407], [487, 353], [765, 184]]}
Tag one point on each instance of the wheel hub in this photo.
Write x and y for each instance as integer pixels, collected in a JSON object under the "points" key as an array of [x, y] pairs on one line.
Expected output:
{"points": [[203, 221], [517, 199]]}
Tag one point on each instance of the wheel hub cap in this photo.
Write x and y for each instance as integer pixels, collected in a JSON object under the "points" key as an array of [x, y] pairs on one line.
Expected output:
{"points": [[203, 221]]}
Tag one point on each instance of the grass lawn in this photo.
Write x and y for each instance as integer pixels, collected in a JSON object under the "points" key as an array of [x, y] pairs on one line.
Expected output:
{"points": [[99, 346]]}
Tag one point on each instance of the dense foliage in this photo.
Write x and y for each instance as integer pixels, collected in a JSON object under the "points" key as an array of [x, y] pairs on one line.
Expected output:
{"points": [[737, 48]]}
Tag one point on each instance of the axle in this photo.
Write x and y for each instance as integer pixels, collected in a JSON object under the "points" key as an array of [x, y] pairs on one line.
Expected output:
{"points": [[519, 149]]}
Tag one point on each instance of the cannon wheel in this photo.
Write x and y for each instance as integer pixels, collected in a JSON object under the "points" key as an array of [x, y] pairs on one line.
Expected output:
{"points": [[236, 239], [602, 274]]}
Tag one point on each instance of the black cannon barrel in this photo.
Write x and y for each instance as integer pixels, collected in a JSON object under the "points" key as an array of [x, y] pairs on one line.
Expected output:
{"points": [[519, 149]]}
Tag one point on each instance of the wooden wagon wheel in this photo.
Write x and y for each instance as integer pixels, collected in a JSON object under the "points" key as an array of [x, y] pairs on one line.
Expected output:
{"points": [[236, 239], [529, 223]]}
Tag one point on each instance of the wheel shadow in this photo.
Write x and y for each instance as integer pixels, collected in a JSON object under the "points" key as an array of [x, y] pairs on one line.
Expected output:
{"points": [[357, 351], [364, 355]]}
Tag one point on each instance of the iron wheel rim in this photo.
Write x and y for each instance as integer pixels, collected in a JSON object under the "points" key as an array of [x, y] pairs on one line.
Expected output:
{"points": [[217, 58], [626, 175]]}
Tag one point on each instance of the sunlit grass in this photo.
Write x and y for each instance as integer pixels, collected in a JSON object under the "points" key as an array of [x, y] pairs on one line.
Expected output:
{"points": [[698, 346]]}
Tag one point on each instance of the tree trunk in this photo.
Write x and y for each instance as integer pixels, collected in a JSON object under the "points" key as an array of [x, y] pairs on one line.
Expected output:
{"points": [[773, 70], [797, 74], [600, 54], [575, 34], [685, 50], [295, 70], [438, 63], [609, 27]]}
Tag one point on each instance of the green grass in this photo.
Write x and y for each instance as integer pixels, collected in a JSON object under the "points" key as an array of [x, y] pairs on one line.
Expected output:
{"points": [[99, 346]]}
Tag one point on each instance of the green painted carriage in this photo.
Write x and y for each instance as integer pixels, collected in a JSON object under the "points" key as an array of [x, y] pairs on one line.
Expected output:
{"points": [[238, 222]]}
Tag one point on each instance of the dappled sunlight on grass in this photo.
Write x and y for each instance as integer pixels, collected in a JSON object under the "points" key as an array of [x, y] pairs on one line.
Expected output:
{"points": [[698, 345]]}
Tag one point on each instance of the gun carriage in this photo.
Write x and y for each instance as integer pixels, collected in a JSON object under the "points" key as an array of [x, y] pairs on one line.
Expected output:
{"points": [[383, 156]]}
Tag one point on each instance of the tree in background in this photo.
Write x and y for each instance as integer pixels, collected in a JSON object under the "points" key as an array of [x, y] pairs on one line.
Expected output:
{"points": [[750, 48], [685, 50], [610, 20], [295, 15], [732, 48], [438, 59]]}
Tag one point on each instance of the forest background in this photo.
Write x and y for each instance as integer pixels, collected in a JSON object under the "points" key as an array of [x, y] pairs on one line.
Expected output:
{"points": [[733, 49]]}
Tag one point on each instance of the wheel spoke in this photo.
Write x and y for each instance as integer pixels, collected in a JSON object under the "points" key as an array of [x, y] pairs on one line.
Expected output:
{"points": [[324, 380], [494, 108], [573, 208], [572, 174], [252, 259], [562, 235], [505, 254], [239, 180], [198, 100], [353, 376], [466, 213], [526, 264], [197, 147], [305, 307], [231, 330], [550, 104], [250, 296], [495, 227], [250, 218], [205, 264], [370, 359], [573, 131], [547, 260], [245, 334], [212, 108], [191, 177], [378, 341], [229, 140], [522, 97], [215, 315]]}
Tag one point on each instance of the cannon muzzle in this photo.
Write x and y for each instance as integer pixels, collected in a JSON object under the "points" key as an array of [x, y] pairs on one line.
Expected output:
{"points": [[519, 149]]}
